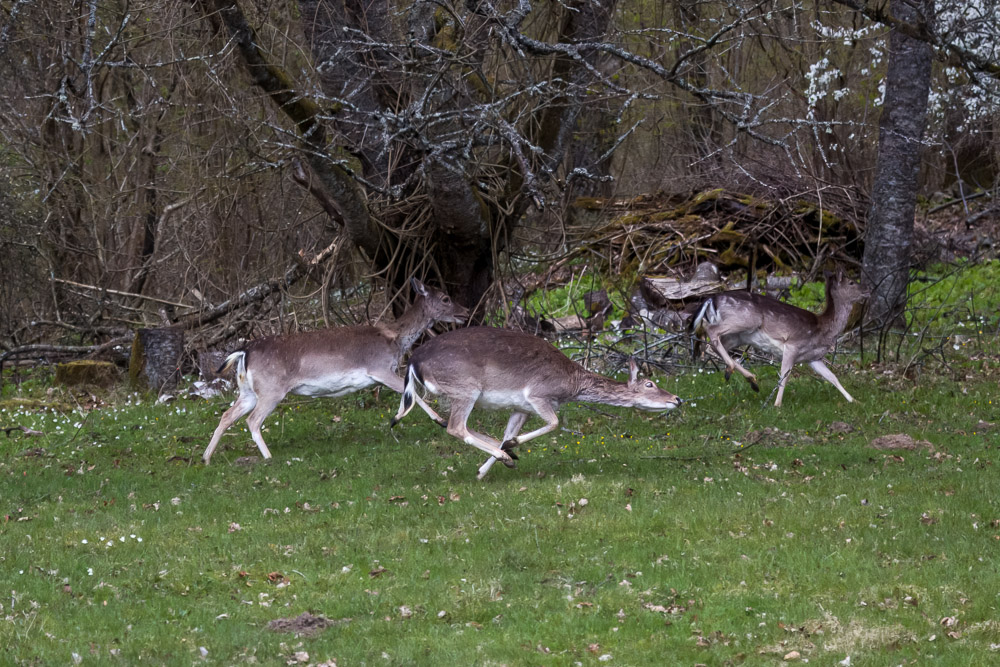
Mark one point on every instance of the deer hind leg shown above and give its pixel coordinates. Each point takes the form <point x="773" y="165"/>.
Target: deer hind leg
<point x="825" y="373"/>
<point x="716" y="342"/>
<point x="514" y="425"/>
<point x="265" y="406"/>
<point x="246" y="402"/>
<point x="458" y="427"/>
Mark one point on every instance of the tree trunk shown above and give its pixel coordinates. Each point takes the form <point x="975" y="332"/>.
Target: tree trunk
<point x="156" y="359"/>
<point x="889" y="233"/>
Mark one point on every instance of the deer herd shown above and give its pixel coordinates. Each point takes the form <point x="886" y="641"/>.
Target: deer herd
<point x="505" y="369"/>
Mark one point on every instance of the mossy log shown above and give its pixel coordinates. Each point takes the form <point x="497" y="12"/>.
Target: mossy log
<point x="156" y="357"/>
<point x="86" y="372"/>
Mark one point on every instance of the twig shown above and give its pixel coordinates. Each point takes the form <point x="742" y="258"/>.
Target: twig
<point x="960" y="200"/>
<point x="95" y="288"/>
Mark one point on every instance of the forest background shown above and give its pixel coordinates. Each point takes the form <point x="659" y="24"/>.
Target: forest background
<point x="233" y="168"/>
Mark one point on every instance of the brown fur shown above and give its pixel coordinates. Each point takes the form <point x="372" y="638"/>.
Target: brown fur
<point x="327" y="362"/>
<point x="499" y="368"/>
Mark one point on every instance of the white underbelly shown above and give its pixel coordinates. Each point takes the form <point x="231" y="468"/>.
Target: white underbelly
<point x="333" y="385"/>
<point x="763" y="342"/>
<point x="509" y="400"/>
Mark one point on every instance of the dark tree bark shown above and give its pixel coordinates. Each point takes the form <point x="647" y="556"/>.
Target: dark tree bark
<point x="448" y="156"/>
<point x="889" y="233"/>
<point x="156" y="358"/>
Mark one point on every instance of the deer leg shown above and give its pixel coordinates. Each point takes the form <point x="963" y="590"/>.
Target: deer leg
<point x="443" y="423"/>
<point x="388" y="378"/>
<point x="544" y="410"/>
<point x="514" y="425"/>
<point x="720" y="349"/>
<point x="457" y="426"/>
<point x="787" y="361"/>
<point x="265" y="406"/>
<point x="244" y="404"/>
<point x="825" y="373"/>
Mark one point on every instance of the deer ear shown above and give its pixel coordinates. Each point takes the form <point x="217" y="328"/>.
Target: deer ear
<point x="633" y="371"/>
<point x="418" y="287"/>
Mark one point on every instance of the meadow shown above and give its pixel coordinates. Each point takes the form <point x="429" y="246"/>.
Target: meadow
<point x="724" y="532"/>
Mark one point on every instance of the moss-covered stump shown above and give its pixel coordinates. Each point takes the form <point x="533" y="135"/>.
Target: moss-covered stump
<point x="94" y="373"/>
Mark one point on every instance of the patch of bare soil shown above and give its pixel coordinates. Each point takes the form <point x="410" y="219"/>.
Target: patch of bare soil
<point x="304" y="624"/>
<point x="841" y="427"/>
<point x="900" y="441"/>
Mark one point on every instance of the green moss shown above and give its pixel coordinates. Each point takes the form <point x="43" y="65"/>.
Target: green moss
<point x="707" y="195"/>
<point x="754" y="202"/>
<point x="728" y="233"/>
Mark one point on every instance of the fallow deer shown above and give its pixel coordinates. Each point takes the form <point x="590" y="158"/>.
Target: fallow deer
<point x="500" y="368"/>
<point x="327" y="362"/>
<point x="791" y="334"/>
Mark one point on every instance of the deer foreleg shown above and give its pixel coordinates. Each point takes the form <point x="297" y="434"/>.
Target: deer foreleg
<point x="824" y="372"/>
<point x="787" y="361"/>
<point x="514" y="425"/>
<point x="544" y="410"/>
<point x="388" y="378"/>
<point x="443" y="423"/>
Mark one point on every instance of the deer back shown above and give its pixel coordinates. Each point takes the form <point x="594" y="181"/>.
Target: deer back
<point x="293" y="359"/>
<point x="490" y="361"/>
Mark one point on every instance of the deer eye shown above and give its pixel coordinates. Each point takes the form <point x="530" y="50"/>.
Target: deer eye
<point x="446" y="300"/>
<point x="650" y="384"/>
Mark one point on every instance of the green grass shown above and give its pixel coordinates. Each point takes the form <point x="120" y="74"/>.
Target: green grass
<point x="725" y="532"/>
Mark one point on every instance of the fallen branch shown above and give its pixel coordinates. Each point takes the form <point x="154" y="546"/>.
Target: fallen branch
<point x="24" y="429"/>
<point x="81" y="350"/>
<point x="122" y="293"/>
<point x="256" y="293"/>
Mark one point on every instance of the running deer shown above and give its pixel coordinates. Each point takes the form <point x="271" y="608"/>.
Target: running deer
<point x="791" y="334"/>
<point x="327" y="362"/>
<point x="499" y="368"/>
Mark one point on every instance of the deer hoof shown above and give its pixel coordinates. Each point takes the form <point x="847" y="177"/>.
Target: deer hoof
<point x="753" y="384"/>
<point x="729" y="374"/>
<point x="443" y="423"/>
<point x="509" y="462"/>
<point x="508" y="447"/>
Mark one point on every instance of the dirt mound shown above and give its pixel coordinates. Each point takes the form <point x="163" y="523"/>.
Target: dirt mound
<point x="304" y="624"/>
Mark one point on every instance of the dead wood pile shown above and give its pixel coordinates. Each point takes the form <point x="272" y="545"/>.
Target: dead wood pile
<point x="668" y="234"/>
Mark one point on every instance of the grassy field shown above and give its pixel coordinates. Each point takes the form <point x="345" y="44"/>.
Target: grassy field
<point x="726" y="532"/>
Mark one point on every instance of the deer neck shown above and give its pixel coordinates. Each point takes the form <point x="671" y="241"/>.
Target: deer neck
<point x="834" y="318"/>
<point x="596" y="388"/>
<point x="405" y="331"/>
